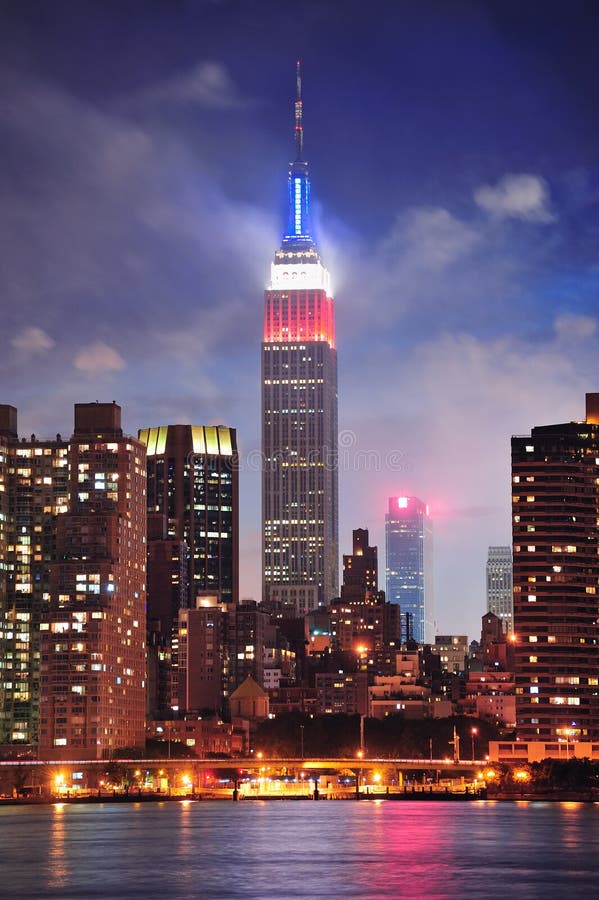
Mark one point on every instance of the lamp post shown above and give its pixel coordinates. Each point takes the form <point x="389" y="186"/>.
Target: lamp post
<point x="301" y="741"/>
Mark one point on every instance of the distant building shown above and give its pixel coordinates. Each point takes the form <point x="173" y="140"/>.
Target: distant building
<point x="408" y="537"/>
<point x="398" y="695"/>
<point x="499" y="586"/>
<point x="453" y="652"/>
<point x="246" y="638"/>
<point x="490" y="696"/>
<point x="360" y="569"/>
<point x="340" y="692"/>
<point x="495" y="649"/>
<point x="93" y="666"/>
<point x="555" y="500"/>
<point x="361" y="622"/>
<point x="201" y="659"/>
<point x="290" y="601"/>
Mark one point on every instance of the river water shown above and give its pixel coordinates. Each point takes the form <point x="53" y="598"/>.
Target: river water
<point x="300" y="849"/>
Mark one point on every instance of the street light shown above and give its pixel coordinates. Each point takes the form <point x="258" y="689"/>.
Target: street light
<point x="301" y="741"/>
<point x="473" y="733"/>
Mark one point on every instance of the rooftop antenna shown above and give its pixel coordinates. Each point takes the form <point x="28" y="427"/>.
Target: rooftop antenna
<point x="299" y="131"/>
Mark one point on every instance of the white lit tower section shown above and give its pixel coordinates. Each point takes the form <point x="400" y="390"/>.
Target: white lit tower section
<point x="299" y="409"/>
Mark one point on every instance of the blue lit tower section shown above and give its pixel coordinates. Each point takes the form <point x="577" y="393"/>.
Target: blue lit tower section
<point x="299" y="410"/>
<point x="409" y="546"/>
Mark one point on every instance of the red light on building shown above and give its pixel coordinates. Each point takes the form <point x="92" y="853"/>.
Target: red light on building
<point x="299" y="315"/>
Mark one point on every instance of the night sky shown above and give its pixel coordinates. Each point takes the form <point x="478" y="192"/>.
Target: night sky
<point x="454" y="155"/>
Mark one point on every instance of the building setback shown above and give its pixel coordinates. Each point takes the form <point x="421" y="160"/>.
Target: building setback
<point x="499" y="586"/>
<point x="555" y="503"/>
<point x="299" y="409"/>
<point x="93" y="634"/>
<point x="408" y="540"/>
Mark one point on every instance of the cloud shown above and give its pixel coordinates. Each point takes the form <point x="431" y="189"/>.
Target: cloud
<point x="207" y="84"/>
<point x="573" y="327"/>
<point x="429" y="237"/>
<point x="521" y="196"/>
<point x="98" y="358"/>
<point x="32" y="340"/>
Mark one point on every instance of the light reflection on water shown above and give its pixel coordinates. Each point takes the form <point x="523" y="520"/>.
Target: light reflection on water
<point x="57" y="869"/>
<point x="299" y="849"/>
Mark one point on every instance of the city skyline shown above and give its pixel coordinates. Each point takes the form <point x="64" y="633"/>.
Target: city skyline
<point x="454" y="160"/>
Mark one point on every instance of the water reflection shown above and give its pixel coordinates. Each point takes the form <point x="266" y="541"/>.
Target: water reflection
<point x="299" y="849"/>
<point x="57" y="862"/>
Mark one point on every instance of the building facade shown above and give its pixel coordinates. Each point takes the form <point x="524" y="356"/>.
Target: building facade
<point x="360" y="569"/>
<point x="299" y="405"/>
<point x="499" y="586"/>
<point x="93" y="635"/>
<point x="201" y="659"/>
<point x="409" y="566"/>
<point x="33" y="493"/>
<point x="555" y="504"/>
<point x="193" y="481"/>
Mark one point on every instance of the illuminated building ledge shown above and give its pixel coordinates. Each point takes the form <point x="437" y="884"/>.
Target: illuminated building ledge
<point x="535" y="751"/>
<point x="299" y="275"/>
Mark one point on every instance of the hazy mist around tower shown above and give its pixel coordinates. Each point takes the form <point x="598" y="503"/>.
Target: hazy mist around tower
<point x="454" y="162"/>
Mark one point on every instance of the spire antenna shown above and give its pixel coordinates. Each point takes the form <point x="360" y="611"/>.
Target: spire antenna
<point x="299" y="130"/>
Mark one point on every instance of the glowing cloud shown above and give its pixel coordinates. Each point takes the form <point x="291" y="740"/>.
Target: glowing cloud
<point x="98" y="358"/>
<point x="32" y="340"/>
<point x="516" y="197"/>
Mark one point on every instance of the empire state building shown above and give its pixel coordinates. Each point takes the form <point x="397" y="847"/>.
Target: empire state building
<point x="299" y="412"/>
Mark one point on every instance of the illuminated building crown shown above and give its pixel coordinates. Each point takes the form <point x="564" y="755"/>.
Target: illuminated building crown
<point x="298" y="236"/>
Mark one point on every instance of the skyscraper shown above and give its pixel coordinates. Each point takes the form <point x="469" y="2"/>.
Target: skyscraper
<point x="409" y="565"/>
<point x="93" y="666"/>
<point x="299" y="406"/>
<point x="555" y="504"/>
<point x="499" y="586"/>
<point x="193" y="482"/>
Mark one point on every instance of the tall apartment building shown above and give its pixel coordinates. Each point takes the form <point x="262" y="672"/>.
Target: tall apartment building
<point x="201" y="657"/>
<point x="93" y="633"/>
<point x="193" y="481"/>
<point x="33" y="492"/>
<point x="555" y="504"/>
<point x="499" y="586"/>
<point x="299" y="408"/>
<point x="246" y="628"/>
<point x="409" y="569"/>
